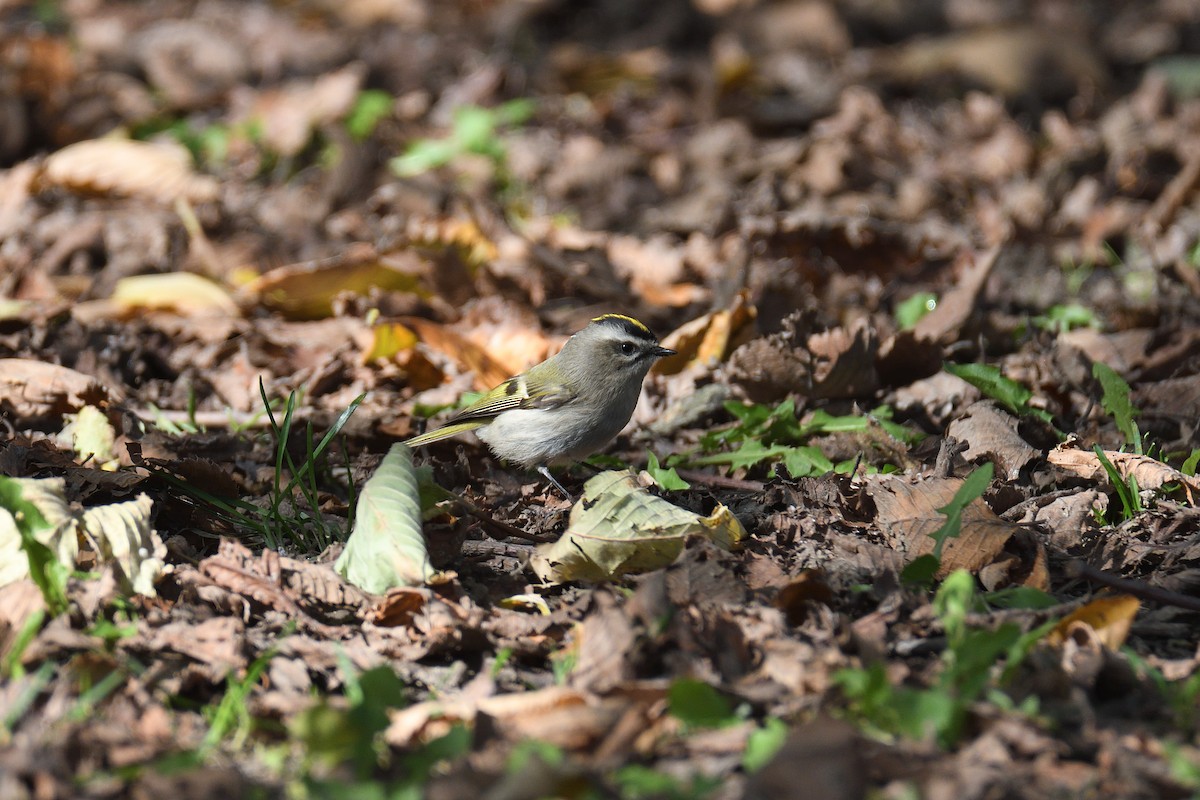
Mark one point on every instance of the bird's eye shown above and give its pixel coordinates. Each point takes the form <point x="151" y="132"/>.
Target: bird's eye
<point x="627" y="348"/>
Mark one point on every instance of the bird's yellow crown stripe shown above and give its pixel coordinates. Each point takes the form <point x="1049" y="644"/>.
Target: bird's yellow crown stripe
<point x="624" y="318"/>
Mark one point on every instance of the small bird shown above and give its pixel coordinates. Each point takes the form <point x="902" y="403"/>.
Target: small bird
<point x="568" y="406"/>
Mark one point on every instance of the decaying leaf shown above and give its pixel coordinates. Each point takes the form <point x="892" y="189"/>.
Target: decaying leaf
<point x="1110" y="617"/>
<point x="185" y="293"/>
<point x="389" y="339"/>
<point x="991" y="433"/>
<point x="158" y="171"/>
<point x="563" y="716"/>
<point x="945" y="322"/>
<point x="34" y="389"/>
<point x="908" y="512"/>
<point x="1149" y="473"/>
<point x="121" y="535"/>
<point x="617" y="527"/>
<point x="488" y="371"/>
<point x="832" y="363"/>
<point x="387" y="547"/>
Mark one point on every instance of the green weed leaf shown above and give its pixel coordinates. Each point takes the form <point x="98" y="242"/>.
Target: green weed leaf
<point x="1116" y="402"/>
<point x="698" y="705"/>
<point x="666" y="477"/>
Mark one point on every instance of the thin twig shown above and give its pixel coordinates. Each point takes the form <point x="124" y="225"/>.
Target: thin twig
<point x="720" y="481"/>
<point x="1081" y="569"/>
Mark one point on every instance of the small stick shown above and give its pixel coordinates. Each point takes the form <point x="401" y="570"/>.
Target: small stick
<point x="720" y="481"/>
<point x="1079" y="569"/>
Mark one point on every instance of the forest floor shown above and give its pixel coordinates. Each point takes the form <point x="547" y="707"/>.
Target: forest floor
<point x="933" y="273"/>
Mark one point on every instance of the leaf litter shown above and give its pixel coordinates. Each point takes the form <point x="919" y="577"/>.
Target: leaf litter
<point x="892" y="246"/>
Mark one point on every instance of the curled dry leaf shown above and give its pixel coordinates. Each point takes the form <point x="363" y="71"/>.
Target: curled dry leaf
<point x="1110" y="617"/>
<point x="991" y="434"/>
<point x="709" y="339"/>
<point x="35" y="390"/>
<point x="618" y="527"/>
<point x="122" y="536"/>
<point x="945" y="323"/>
<point x="835" y="363"/>
<point x="59" y="534"/>
<point x="288" y="116"/>
<point x="564" y="717"/>
<point x="155" y="171"/>
<point x="1148" y="472"/>
<point x="468" y="354"/>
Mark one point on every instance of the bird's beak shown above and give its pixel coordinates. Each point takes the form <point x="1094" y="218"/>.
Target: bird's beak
<point x="661" y="352"/>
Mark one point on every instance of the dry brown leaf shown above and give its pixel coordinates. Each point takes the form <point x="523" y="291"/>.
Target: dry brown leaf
<point x="288" y="116"/>
<point x="1009" y="60"/>
<point x="507" y="332"/>
<point x="907" y="510"/>
<point x="217" y="641"/>
<point x="565" y="717"/>
<point x="400" y="605"/>
<point x="991" y="434"/>
<point x="127" y="168"/>
<point x="1148" y="472"/>
<point x="944" y="324"/>
<point x="797" y="597"/>
<point x="472" y="357"/>
<point x="33" y="389"/>
<point x="709" y="339"/>
<point x="834" y="363"/>
<point x="1110" y="617"/>
<point x="19" y="601"/>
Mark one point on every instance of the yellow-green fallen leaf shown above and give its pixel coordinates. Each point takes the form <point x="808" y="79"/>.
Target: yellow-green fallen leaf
<point x="91" y="437"/>
<point x="182" y="292"/>
<point x="387" y="548"/>
<point x="618" y="528"/>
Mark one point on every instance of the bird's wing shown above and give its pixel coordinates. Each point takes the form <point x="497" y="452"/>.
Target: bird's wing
<point x="518" y="392"/>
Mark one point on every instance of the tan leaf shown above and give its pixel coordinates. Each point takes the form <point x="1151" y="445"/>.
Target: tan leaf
<point x="945" y="322"/>
<point x="34" y="389"/>
<point x="1149" y="473"/>
<point x="128" y="168"/>
<point x="562" y="716"/>
<point x="289" y="115"/>
<point x="908" y="513"/>
<point x="488" y="371"/>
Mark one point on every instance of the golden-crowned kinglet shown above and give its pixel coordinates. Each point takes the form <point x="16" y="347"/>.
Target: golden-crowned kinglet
<point x="568" y="406"/>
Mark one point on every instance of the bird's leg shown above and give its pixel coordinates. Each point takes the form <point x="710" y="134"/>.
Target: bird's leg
<point x="546" y="474"/>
